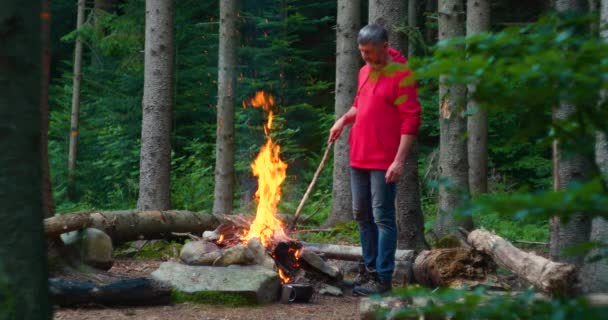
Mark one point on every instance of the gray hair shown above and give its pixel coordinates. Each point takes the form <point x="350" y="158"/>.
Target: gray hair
<point x="372" y="33"/>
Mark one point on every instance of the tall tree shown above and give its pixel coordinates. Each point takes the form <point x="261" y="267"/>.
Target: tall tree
<point x="48" y="205"/>
<point x="77" y="77"/>
<point x="224" y="146"/>
<point x="23" y="268"/>
<point x="594" y="274"/>
<point x="453" y="166"/>
<point x="410" y="221"/>
<point x="155" y="159"/>
<point x="429" y="30"/>
<point x="478" y="20"/>
<point x="569" y="166"/>
<point x="347" y="69"/>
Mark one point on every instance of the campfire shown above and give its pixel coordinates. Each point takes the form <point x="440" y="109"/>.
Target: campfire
<point x="271" y="172"/>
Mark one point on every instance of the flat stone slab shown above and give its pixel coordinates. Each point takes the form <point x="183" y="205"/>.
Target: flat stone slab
<point x="253" y="282"/>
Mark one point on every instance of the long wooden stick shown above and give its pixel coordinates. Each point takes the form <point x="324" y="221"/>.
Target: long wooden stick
<point x="310" y="186"/>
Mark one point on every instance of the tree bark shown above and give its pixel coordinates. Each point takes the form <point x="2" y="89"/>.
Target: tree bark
<point x="155" y="159"/>
<point x="224" y="160"/>
<point x="125" y="292"/>
<point x="390" y="14"/>
<point x="570" y="166"/>
<point x="410" y="220"/>
<point x="48" y="205"/>
<point x="129" y="225"/>
<point x="549" y="276"/>
<point x="23" y="268"/>
<point x="478" y="20"/>
<point x="350" y="253"/>
<point x="412" y="22"/>
<point x="75" y="116"/>
<point x="451" y="266"/>
<point x="453" y="165"/>
<point x="594" y="274"/>
<point x="347" y="70"/>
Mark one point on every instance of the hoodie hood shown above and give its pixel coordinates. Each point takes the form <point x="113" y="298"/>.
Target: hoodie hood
<point x="397" y="57"/>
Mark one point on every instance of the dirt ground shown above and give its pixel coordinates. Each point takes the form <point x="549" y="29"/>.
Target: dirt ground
<point x="321" y="307"/>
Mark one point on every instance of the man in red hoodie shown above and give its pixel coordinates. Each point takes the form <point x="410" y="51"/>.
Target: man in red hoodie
<point x="386" y="118"/>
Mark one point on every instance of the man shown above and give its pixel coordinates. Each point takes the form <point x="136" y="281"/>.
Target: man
<point x="386" y="117"/>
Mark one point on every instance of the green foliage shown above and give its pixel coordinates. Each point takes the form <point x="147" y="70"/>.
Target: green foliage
<point x="341" y="233"/>
<point x="214" y="298"/>
<point x="477" y="304"/>
<point x="7" y="298"/>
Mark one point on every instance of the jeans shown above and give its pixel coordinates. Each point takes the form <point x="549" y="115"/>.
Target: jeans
<point x="374" y="210"/>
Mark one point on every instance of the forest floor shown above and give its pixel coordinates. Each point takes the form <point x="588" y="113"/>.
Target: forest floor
<point x="321" y="307"/>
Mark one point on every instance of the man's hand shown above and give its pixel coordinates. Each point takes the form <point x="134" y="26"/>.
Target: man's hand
<point x="394" y="171"/>
<point x="336" y="130"/>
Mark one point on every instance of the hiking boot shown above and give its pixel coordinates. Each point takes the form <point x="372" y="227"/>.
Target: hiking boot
<point x="375" y="286"/>
<point x="364" y="276"/>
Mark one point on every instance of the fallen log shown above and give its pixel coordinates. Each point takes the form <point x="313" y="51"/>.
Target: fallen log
<point x="126" y="292"/>
<point x="131" y="225"/>
<point x="350" y="253"/>
<point x="549" y="276"/>
<point x="452" y="267"/>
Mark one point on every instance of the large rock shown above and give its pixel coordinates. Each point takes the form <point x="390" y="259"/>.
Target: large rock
<point x="94" y="247"/>
<point x="237" y="254"/>
<point x="260" y="256"/>
<point x="253" y="282"/>
<point x="313" y="261"/>
<point x="200" y="253"/>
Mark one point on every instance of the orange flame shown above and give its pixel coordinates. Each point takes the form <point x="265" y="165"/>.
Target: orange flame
<point x="220" y="239"/>
<point x="284" y="278"/>
<point x="271" y="172"/>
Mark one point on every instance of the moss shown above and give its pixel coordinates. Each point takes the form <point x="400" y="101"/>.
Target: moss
<point x="215" y="298"/>
<point x="151" y="250"/>
<point x="449" y="241"/>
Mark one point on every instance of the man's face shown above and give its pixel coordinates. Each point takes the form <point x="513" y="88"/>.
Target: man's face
<point x="374" y="54"/>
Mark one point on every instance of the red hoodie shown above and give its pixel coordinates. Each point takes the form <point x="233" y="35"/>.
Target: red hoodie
<point x="385" y="111"/>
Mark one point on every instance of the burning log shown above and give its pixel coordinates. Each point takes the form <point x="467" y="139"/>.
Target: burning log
<point x="350" y="253"/>
<point x="451" y="267"/>
<point x="549" y="276"/>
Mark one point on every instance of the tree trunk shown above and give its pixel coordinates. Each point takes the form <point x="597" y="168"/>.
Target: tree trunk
<point x="390" y="14"/>
<point x="224" y="160"/>
<point x="594" y="274"/>
<point x="48" y="205"/>
<point x="412" y="22"/>
<point x="75" y="105"/>
<point x="350" y="253"/>
<point x="347" y="69"/>
<point x="549" y="276"/>
<point x="410" y="220"/>
<point x="452" y="266"/>
<point x="23" y="268"/>
<point x="453" y="166"/>
<point x="570" y="166"/>
<point x="478" y="20"/>
<point x="131" y="225"/>
<point x="155" y="161"/>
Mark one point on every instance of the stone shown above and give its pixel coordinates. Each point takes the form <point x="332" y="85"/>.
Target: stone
<point x="319" y="265"/>
<point x="211" y="235"/>
<point x="94" y="247"/>
<point x="260" y="256"/>
<point x="331" y="291"/>
<point x="256" y="282"/>
<point x="237" y="254"/>
<point x="201" y="253"/>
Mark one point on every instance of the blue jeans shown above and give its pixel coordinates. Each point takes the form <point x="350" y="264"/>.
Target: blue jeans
<point x="374" y="210"/>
